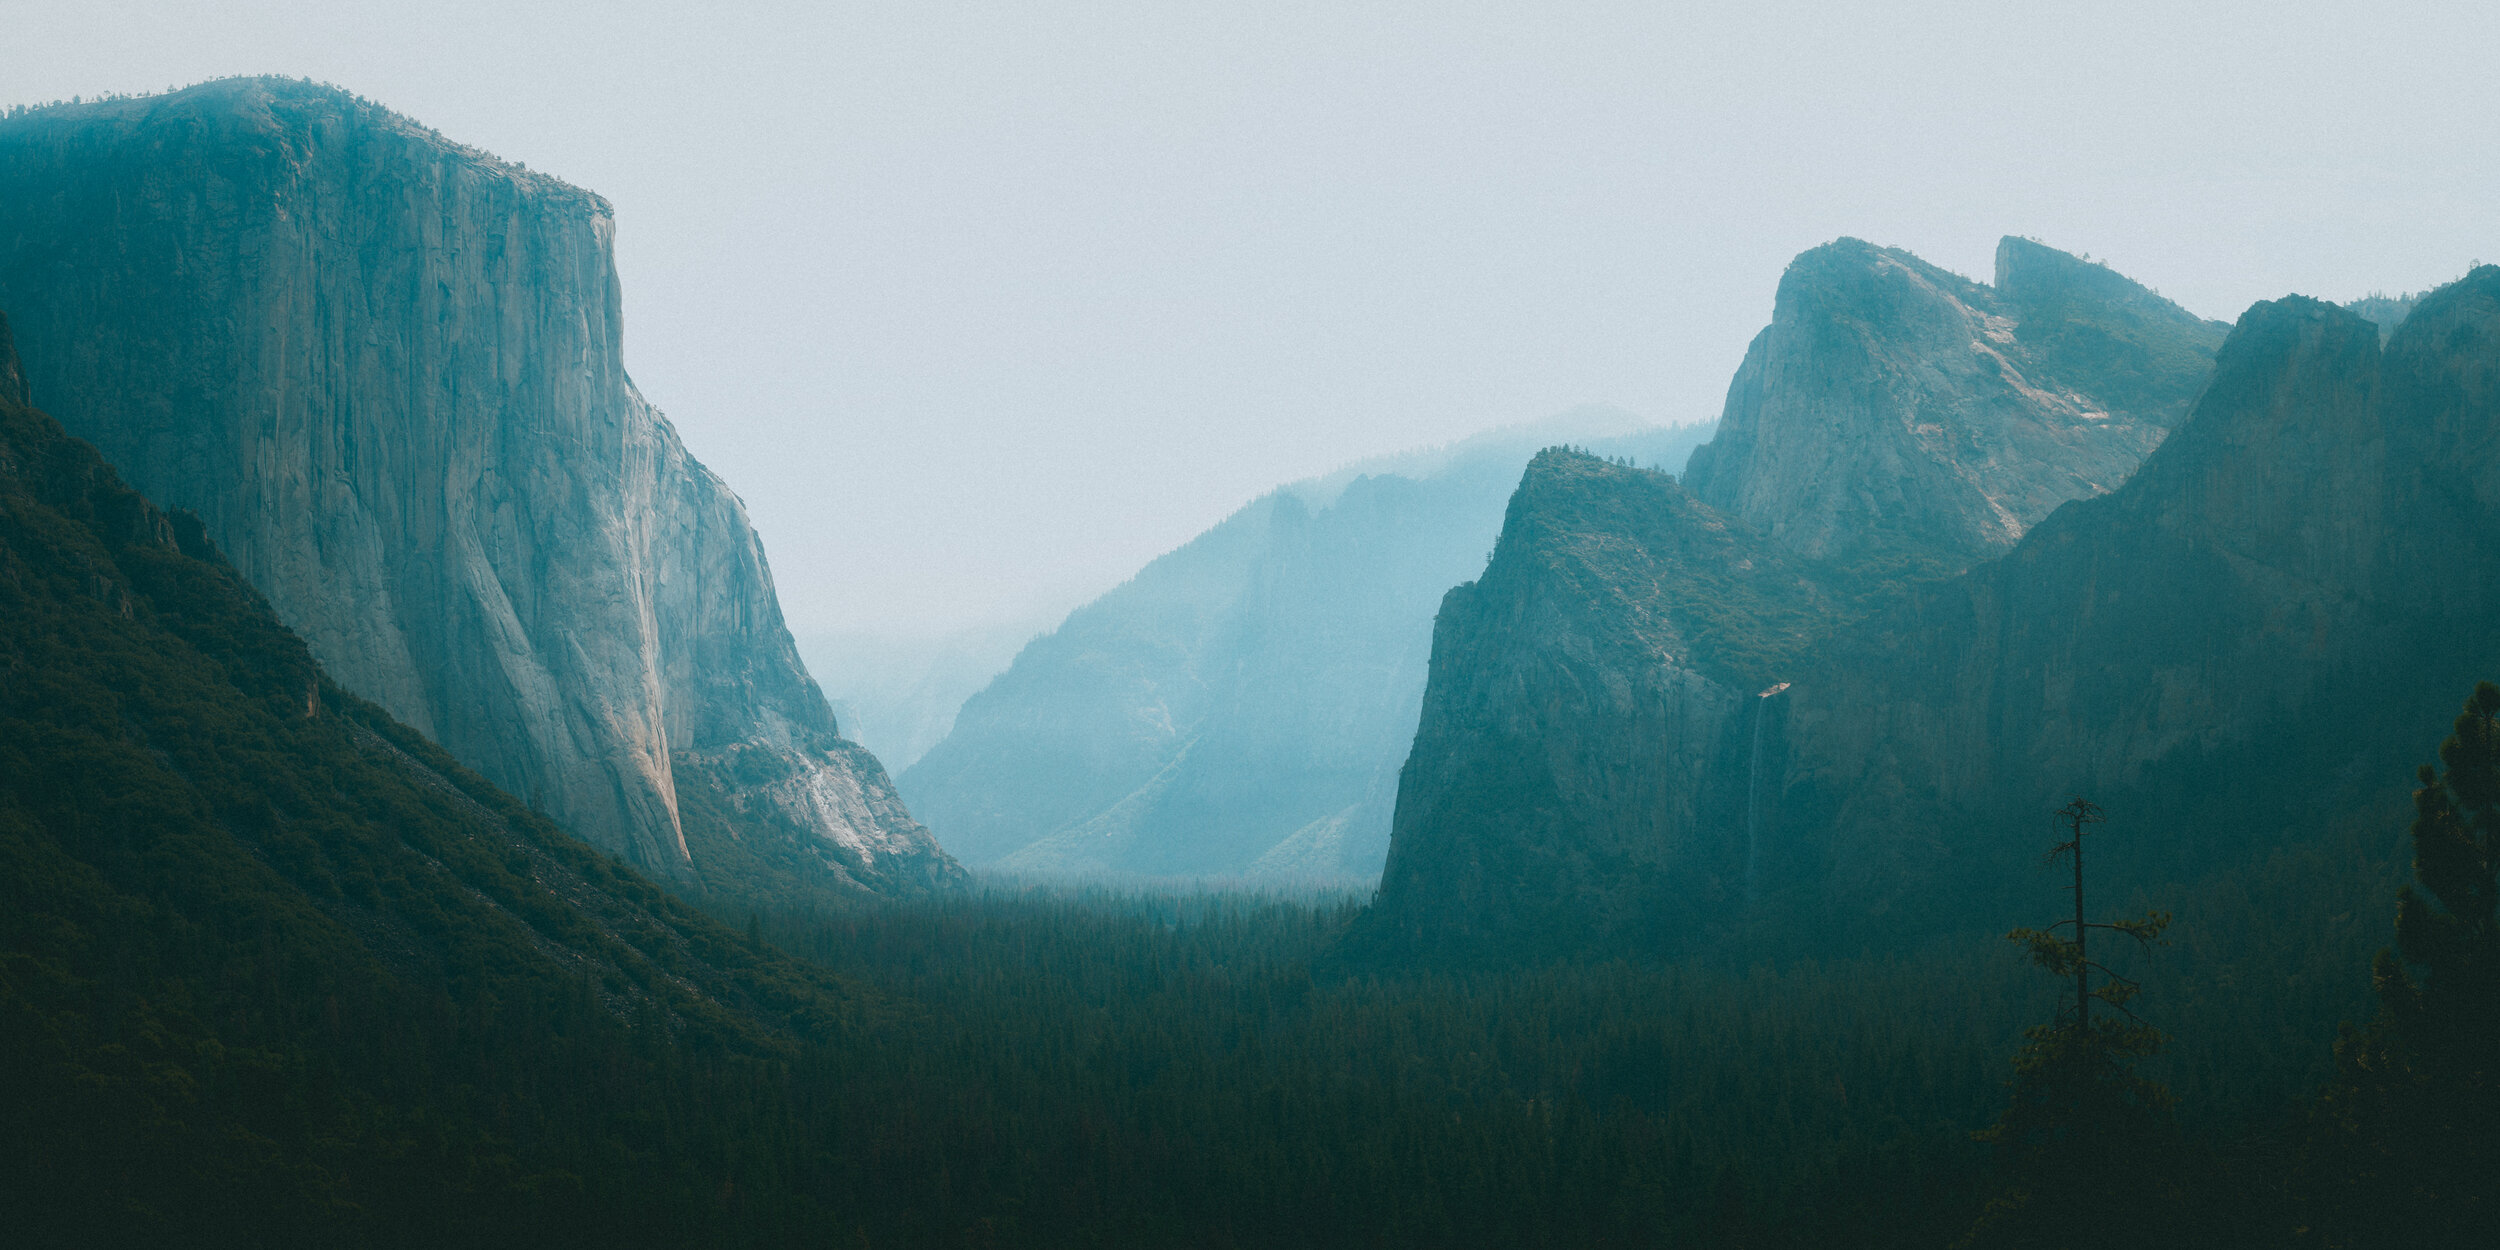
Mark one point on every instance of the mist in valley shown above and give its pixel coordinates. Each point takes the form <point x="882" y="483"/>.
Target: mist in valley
<point x="1249" y="625"/>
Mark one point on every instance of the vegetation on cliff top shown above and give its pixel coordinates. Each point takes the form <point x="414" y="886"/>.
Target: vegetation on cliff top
<point x="1641" y="562"/>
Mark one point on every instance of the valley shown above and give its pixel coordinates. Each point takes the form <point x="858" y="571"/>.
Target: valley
<point x="420" y="824"/>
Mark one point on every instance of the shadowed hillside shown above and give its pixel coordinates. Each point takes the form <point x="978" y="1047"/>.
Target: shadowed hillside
<point x="274" y="968"/>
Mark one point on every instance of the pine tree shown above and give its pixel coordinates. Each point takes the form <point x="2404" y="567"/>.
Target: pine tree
<point x="2085" y="1140"/>
<point x="2448" y="1016"/>
<point x="2406" y="1141"/>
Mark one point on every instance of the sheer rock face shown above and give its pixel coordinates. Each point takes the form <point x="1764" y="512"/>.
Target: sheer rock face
<point x="1595" y="763"/>
<point x="2270" y="619"/>
<point x="2243" y="643"/>
<point x="387" y="372"/>
<point x="1892" y="405"/>
<point x="1579" y="776"/>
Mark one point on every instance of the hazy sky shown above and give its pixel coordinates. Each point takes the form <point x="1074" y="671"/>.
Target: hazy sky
<point x="981" y="306"/>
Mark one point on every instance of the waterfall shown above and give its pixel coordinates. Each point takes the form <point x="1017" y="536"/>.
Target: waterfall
<point x="1753" y="806"/>
<point x="1753" y="797"/>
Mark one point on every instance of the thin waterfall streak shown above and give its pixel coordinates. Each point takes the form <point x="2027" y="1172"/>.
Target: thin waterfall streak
<point x="1753" y="808"/>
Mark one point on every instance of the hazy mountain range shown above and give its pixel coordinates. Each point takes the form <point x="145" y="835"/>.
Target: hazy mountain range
<point x="1240" y="707"/>
<point x="392" y="713"/>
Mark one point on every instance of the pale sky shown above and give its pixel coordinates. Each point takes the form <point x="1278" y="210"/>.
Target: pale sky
<point x="981" y="306"/>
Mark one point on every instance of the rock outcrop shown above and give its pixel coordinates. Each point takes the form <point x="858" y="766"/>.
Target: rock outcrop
<point x="1892" y="407"/>
<point x="1587" y="773"/>
<point x="1241" y="706"/>
<point x="1578" y="776"/>
<point x="387" y="371"/>
<point x="2262" y="630"/>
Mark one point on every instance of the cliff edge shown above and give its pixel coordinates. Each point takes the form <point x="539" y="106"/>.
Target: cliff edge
<point x="387" y="371"/>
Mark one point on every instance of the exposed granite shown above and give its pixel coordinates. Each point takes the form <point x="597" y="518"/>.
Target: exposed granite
<point x="1578" y="780"/>
<point x="387" y="371"/>
<point x="2266" y="623"/>
<point x="1892" y="405"/>
<point x="1589" y="769"/>
<point x="2242" y="643"/>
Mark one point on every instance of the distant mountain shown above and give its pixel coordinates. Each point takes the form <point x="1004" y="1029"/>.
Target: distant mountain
<point x="274" y="969"/>
<point x="1584" y="775"/>
<point x="1894" y="409"/>
<point x="386" y="370"/>
<point x="2387" y="311"/>
<point x="1241" y="705"/>
<point x="897" y="694"/>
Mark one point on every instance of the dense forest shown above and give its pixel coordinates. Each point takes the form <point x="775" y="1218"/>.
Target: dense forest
<point x="275" y="970"/>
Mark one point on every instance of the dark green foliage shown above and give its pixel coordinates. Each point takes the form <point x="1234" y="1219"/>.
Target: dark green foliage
<point x="273" y="969"/>
<point x="2449" y="1014"/>
<point x="2087" y="1143"/>
<point x="2404" y="1144"/>
<point x="1144" y="1070"/>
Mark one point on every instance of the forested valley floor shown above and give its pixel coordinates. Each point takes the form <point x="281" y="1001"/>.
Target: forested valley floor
<point x="275" y="970"/>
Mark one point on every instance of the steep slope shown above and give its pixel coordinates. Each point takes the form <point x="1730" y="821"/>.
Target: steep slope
<point x="1579" y="773"/>
<point x="386" y="371"/>
<point x="1241" y="705"/>
<point x="2236" y="649"/>
<point x="2242" y="642"/>
<point x="1894" y="410"/>
<point x="1584" y="768"/>
<point x="275" y="970"/>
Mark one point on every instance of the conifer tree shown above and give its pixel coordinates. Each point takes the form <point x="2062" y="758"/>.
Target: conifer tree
<point x="2085" y="1139"/>
<point x="2448" y="1015"/>
<point x="2406" y="1142"/>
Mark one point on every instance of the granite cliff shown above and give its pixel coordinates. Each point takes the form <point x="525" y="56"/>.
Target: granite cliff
<point x="252" y="925"/>
<point x="1585" y="774"/>
<point x="2245" y="642"/>
<point x="1892" y="408"/>
<point x="386" y="370"/>
<point x="1240" y="707"/>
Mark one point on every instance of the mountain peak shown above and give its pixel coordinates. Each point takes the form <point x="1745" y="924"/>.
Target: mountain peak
<point x="294" y="119"/>
<point x="447" y="485"/>
<point x="1853" y="275"/>
<point x="1893" y="406"/>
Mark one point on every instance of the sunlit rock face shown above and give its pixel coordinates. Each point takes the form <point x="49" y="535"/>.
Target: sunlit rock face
<point x="1891" y="406"/>
<point x="387" y="371"/>
<point x="1599" y="760"/>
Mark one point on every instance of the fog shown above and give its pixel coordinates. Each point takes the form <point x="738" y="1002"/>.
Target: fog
<point x="981" y="306"/>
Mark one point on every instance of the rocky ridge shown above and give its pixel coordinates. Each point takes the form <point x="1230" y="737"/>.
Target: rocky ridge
<point x="2247" y="640"/>
<point x="387" y="372"/>
<point x="1892" y="407"/>
<point x="1586" y="774"/>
